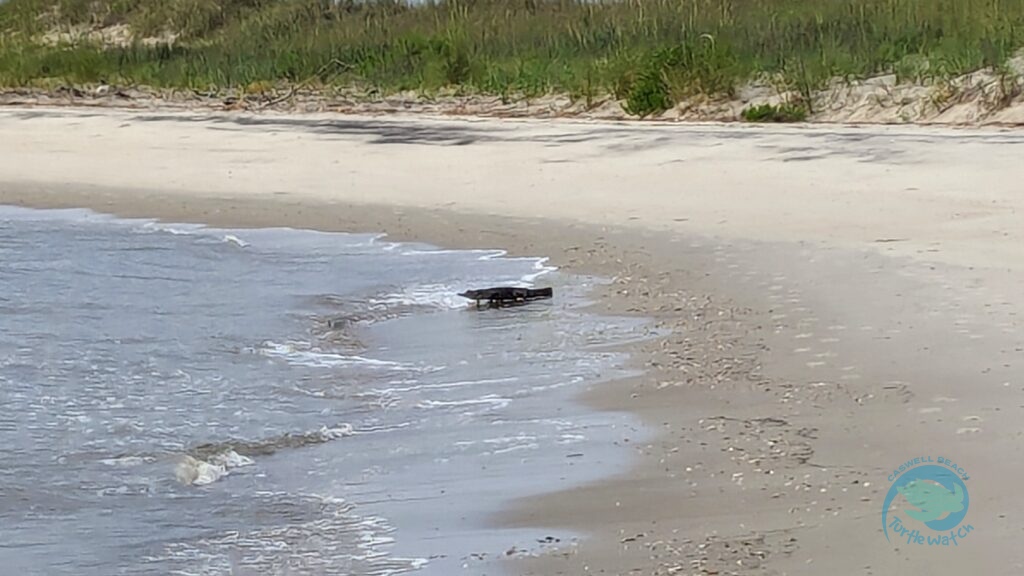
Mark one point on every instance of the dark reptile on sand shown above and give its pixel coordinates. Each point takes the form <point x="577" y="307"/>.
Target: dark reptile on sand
<point x="507" y="295"/>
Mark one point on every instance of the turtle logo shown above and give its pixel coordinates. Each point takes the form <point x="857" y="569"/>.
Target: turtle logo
<point x="937" y="497"/>
<point x="933" y="500"/>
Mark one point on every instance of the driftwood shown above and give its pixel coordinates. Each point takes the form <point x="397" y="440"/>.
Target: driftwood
<point x="507" y="295"/>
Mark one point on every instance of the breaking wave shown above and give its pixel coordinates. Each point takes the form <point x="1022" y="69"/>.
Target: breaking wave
<point x="207" y="463"/>
<point x="192" y="471"/>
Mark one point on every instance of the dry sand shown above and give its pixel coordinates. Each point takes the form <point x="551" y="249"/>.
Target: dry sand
<point x="841" y="299"/>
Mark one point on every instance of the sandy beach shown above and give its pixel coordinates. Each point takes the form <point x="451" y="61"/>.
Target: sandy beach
<point x="840" y="299"/>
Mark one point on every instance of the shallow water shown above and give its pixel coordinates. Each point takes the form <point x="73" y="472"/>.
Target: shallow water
<point x="185" y="400"/>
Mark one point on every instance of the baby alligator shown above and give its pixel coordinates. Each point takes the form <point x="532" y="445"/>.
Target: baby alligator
<point x="506" y="295"/>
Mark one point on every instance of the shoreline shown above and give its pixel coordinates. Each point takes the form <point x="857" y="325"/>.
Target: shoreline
<point x="432" y="227"/>
<point x="826" y="215"/>
<point x="405" y="479"/>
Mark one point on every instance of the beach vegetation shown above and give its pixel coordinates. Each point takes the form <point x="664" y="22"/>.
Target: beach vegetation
<point x="784" y="112"/>
<point x="651" y="54"/>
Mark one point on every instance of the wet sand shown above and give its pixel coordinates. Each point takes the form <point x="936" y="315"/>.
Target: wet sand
<point x="841" y="300"/>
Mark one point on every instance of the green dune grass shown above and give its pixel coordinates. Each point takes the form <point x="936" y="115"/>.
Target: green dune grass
<point x="651" y="53"/>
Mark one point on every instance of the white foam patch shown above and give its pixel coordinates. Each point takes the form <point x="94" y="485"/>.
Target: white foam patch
<point x="499" y="441"/>
<point x="232" y="239"/>
<point x="375" y="240"/>
<point x="192" y="471"/>
<point x="541" y="268"/>
<point x="446" y="385"/>
<point x="516" y="448"/>
<point x="490" y="399"/>
<point x="300" y="354"/>
<point x="540" y="265"/>
<point x="339" y="431"/>
<point x="486" y="254"/>
<point x="126" y="461"/>
<point x="430" y="295"/>
<point x="333" y="540"/>
<point x="279" y="237"/>
<point x="176" y="229"/>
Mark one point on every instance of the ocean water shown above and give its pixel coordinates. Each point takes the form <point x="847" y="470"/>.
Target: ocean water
<point x="184" y="400"/>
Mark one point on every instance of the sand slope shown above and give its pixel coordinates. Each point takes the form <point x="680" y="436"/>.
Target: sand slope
<point x="954" y="193"/>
